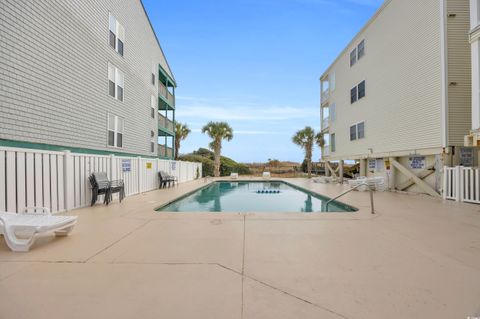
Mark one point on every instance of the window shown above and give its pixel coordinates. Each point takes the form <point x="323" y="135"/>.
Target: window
<point x="153" y="105"/>
<point x="152" y="143"/>
<point x="353" y="132"/>
<point x="115" y="131"/>
<point x="331" y="112"/>
<point x="353" y="95"/>
<point x="353" y="57"/>
<point x="357" y="92"/>
<point x="357" y="131"/>
<point x="116" y="82"/>
<point x="361" y="49"/>
<point x="361" y="90"/>
<point x="332" y="142"/>
<point x="361" y="130"/>
<point x="116" y="36"/>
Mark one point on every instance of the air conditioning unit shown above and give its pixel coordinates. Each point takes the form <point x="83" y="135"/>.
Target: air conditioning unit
<point x="473" y="139"/>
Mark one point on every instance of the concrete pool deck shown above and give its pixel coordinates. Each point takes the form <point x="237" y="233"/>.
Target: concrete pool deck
<point x="418" y="257"/>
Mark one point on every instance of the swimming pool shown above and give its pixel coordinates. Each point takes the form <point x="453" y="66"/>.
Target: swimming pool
<point x="262" y="197"/>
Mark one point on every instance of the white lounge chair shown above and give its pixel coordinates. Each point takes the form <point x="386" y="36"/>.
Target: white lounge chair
<point x="20" y="230"/>
<point x="266" y="175"/>
<point x="234" y="175"/>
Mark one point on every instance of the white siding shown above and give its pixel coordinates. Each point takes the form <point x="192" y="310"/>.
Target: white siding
<point x="53" y="70"/>
<point x="402" y="67"/>
<point x="459" y="71"/>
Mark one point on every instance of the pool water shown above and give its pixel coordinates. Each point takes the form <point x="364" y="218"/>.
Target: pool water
<point x="262" y="197"/>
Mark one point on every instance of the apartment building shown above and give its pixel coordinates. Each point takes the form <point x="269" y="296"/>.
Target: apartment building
<point x="85" y="75"/>
<point x="397" y="100"/>
<point x="473" y="139"/>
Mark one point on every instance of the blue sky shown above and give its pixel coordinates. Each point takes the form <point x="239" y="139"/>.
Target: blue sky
<point x="254" y="64"/>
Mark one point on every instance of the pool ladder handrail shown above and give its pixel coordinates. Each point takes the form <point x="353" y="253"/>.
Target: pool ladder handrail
<point x="351" y="190"/>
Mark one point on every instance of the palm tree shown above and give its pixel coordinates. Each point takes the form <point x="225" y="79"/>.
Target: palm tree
<point x="217" y="131"/>
<point x="181" y="133"/>
<point x="305" y="139"/>
<point x="320" y="139"/>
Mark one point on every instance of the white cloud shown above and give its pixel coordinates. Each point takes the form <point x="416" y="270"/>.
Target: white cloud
<point x="243" y="112"/>
<point x="245" y="132"/>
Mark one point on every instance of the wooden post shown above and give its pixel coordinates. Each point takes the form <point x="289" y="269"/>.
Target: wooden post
<point x="340" y="171"/>
<point x="363" y="167"/>
<point x="392" y="181"/>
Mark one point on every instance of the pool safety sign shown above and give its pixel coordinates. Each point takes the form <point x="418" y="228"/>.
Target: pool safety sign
<point x="173" y="166"/>
<point x="149" y="165"/>
<point x="372" y="164"/>
<point x="126" y="165"/>
<point x="417" y="162"/>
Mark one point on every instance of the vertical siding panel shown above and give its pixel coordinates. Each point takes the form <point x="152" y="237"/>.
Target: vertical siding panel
<point x="76" y="167"/>
<point x="3" y="184"/>
<point x="21" y="199"/>
<point x="61" y="184"/>
<point x="38" y="181"/>
<point x="53" y="183"/>
<point x="30" y="179"/>
<point x="82" y="174"/>
<point x="11" y="183"/>
<point x="46" y="181"/>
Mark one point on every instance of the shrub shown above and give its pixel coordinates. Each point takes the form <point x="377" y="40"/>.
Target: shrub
<point x="207" y="164"/>
<point x="206" y="157"/>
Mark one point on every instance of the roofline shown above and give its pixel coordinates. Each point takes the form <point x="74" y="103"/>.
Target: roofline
<point x="355" y="38"/>
<point x="158" y="42"/>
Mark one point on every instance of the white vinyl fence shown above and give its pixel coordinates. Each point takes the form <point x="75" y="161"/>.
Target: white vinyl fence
<point x="462" y="184"/>
<point x="59" y="180"/>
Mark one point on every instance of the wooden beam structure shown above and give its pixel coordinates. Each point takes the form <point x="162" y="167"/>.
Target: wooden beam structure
<point x="422" y="184"/>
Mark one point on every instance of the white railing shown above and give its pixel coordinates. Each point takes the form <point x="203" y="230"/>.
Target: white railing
<point x="326" y="151"/>
<point x="59" y="180"/>
<point x="462" y="184"/>
<point x="325" y="123"/>
<point x="325" y="96"/>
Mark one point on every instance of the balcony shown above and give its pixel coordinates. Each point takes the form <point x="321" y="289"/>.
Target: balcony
<point x="165" y="124"/>
<point x="325" y="124"/>
<point x="164" y="151"/>
<point x="325" y="97"/>
<point x="326" y="151"/>
<point x="165" y="94"/>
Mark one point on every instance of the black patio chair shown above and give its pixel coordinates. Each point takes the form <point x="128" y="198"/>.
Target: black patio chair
<point x="102" y="185"/>
<point x="166" y="179"/>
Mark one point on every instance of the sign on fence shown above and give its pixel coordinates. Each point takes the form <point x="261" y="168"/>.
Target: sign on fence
<point x="173" y="165"/>
<point x="126" y="165"/>
<point x="149" y="165"/>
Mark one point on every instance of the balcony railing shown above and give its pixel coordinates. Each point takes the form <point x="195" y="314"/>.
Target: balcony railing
<point x="325" y="123"/>
<point x="164" y="151"/>
<point x="325" y="96"/>
<point x="166" y="94"/>
<point x="165" y="123"/>
<point x="326" y="151"/>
